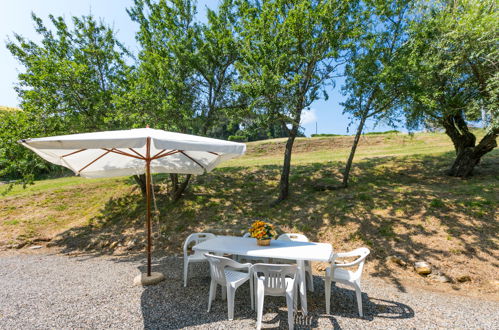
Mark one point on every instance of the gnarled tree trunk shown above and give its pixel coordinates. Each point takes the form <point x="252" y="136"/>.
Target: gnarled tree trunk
<point x="141" y="182"/>
<point x="468" y="154"/>
<point x="178" y="187"/>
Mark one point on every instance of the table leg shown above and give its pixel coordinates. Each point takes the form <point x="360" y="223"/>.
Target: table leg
<point x="302" y="286"/>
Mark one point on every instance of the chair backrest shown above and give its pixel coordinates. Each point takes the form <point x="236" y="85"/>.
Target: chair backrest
<point x="293" y="237"/>
<point x="274" y="276"/>
<point x="194" y="239"/>
<point x="361" y="253"/>
<point x="217" y="267"/>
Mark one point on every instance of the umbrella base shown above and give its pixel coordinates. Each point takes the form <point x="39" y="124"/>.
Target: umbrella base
<point x="143" y="279"/>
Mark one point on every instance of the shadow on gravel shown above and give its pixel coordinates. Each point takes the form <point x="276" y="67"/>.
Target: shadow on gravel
<point x="169" y="305"/>
<point x="344" y="304"/>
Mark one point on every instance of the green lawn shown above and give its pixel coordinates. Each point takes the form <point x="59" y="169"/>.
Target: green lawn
<point x="54" y="185"/>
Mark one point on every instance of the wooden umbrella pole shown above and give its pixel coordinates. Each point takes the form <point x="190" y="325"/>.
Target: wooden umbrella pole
<point x="148" y="198"/>
<point x="156" y="277"/>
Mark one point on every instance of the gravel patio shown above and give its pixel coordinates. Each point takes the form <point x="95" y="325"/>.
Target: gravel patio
<point x="53" y="291"/>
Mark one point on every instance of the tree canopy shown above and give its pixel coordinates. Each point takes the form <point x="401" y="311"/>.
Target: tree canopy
<point x="290" y="51"/>
<point x="373" y="71"/>
<point x="70" y="84"/>
<point x="73" y="76"/>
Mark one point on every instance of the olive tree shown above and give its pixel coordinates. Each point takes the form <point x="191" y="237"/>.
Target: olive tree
<point x="452" y="63"/>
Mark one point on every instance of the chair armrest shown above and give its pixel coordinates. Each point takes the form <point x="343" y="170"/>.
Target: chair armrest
<point x="362" y="254"/>
<point x="349" y="264"/>
<point x="237" y="265"/>
<point x="353" y="253"/>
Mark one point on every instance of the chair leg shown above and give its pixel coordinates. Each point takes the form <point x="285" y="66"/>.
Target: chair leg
<point x="310" y="278"/>
<point x="213" y="293"/>
<point x="186" y="269"/>
<point x="231" y="292"/>
<point x="358" y="293"/>
<point x="259" y="306"/>
<point x="295" y="294"/>
<point x="252" y="293"/>
<point x="302" y="286"/>
<point x="327" y="289"/>
<point x="224" y="292"/>
<point x="290" y="303"/>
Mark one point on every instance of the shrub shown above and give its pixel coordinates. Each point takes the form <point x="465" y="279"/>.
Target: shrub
<point x="321" y="135"/>
<point x="393" y="131"/>
<point x="238" y="138"/>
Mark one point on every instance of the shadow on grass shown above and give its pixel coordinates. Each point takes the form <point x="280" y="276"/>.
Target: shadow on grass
<point x="394" y="205"/>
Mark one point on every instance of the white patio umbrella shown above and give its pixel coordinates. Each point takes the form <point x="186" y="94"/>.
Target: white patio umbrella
<point x="133" y="152"/>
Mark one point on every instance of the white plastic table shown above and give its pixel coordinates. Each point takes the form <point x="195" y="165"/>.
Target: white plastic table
<point x="299" y="251"/>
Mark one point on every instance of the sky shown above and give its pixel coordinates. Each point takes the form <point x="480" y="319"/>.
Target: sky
<point x="15" y="16"/>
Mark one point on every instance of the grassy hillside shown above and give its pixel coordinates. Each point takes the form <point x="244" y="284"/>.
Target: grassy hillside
<point x="324" y="149"/>
<point x="4" y="108"/>
<point x="399" y="203"/>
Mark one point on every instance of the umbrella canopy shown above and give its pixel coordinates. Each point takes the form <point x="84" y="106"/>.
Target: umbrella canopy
<point x="120" y="153"/>
<point x="133" y="152"/>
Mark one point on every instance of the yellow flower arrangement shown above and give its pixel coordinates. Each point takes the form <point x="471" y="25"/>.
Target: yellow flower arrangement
<point x="262" y="230"/>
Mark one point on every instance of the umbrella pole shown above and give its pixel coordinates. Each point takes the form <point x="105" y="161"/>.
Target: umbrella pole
<point x="150" y="278"/>
<point x="148" y="203"/>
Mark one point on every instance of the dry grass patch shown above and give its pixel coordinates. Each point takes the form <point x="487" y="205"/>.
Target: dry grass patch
<point x="41" y="215"/>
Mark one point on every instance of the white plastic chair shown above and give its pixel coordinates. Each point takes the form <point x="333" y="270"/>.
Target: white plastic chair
<point x="337" y="273"/>
<point x="308" y="265"/>
<point x="197" y="256"/>
<point x="275" y="280"/>
<point x="223" y="272"/>
<point x="293" y="237"/>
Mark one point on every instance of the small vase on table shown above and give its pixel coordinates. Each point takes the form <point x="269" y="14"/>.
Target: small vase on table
<point x="263" y="232"/>
<point x="263" y="242"/>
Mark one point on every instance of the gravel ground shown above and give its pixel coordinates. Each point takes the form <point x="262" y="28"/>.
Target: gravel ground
<point x="59" y="292"/>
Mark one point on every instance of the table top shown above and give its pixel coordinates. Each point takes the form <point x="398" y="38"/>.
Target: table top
<point x="281" y="249"/>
